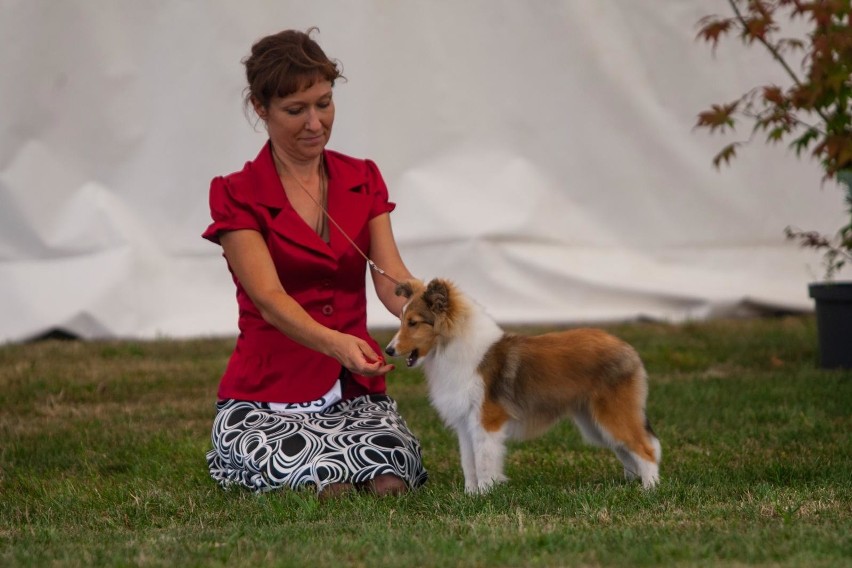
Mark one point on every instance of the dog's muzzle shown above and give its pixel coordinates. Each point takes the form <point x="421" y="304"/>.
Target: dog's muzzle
<point x="409" y="361"/>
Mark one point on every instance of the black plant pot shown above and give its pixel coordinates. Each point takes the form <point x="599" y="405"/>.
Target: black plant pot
<point x="834" y="323"/>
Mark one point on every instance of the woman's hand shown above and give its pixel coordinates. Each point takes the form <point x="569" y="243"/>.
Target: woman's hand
<point x="356" y="355"/>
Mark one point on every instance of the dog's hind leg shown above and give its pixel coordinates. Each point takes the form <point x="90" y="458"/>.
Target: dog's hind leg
<point x="591" y="432"/>
<point x="648" y="469"/>
<point x="622" y="420"/>
<point x="597" y="436"/>
<point x="655" y="442"/>
<point x="631" y="467"/>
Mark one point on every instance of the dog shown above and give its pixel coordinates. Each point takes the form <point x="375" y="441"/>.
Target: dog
<point x="490" y="386"/>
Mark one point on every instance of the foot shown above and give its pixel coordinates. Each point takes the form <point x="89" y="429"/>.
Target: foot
<point x="336" y="490"/>
<point x="387" y="484"/>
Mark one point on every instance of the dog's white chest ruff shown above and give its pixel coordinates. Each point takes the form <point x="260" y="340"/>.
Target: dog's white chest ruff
<point x="456" y="388"/>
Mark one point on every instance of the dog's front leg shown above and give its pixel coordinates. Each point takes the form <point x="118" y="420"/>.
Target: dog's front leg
<point x="489" y="452"/>
<point x="468" y="462"/>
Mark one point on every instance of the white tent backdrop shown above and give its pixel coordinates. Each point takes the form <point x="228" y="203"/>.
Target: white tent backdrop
<point x="542" y="155"/>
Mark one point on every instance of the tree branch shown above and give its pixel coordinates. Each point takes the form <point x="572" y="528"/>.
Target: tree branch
<point x="775" y="54"/>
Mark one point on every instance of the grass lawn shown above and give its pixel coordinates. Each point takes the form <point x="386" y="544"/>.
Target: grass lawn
<point x="102" y="464"/>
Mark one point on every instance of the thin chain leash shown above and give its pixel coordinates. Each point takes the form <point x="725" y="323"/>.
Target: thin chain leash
<point x="373" y="266"/>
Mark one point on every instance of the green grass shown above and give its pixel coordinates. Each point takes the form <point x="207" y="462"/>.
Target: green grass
<point x="102" y="464"/>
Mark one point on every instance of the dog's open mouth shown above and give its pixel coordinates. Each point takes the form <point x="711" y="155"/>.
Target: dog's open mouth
<point x="412" y="358"/>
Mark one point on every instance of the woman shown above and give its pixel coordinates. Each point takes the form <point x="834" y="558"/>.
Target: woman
<point x="302" y="401"/>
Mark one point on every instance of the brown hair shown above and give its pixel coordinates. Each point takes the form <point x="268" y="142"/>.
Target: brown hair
<point x="284" y="63"/>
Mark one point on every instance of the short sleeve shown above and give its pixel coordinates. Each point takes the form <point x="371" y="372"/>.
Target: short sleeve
<point x="379" y="191"/>
<point x="229" y="209"/>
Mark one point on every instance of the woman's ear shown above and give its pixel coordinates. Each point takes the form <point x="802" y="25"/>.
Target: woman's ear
<point x="261" y="110"/>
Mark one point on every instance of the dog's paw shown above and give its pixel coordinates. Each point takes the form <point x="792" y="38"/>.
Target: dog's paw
<point x="651" y="482"/>
<point x="487" y="485"/>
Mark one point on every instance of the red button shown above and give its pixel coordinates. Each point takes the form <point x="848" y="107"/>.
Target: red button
<point x="327" y="310"/>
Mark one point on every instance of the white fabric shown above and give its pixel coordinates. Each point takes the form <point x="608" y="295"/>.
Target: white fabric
<point x="542" y="155"/>
<point x="333" y="396"/>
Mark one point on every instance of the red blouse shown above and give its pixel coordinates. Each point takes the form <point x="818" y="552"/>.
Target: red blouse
<point x="327" y="279"/>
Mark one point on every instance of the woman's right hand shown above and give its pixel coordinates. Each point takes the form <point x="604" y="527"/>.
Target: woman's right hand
<point x="356" y="355"/>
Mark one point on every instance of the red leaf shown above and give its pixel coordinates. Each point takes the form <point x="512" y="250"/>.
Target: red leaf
<point x="773" y="94"/>
<point x="728" y="152"/>
<point x="719" y="116"/>
<point x="713" y="28"/>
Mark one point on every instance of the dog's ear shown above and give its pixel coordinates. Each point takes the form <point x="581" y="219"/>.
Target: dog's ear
<point x="408" y="288"/>
<point x="437" y="296"/>
<point x="404" y="289"/>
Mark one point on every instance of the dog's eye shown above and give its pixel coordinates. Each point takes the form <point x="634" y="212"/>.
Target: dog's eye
<point x="412" y="323"/>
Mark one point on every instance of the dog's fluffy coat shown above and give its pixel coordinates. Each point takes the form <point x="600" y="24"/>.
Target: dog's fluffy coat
<point x="490" y="386"/>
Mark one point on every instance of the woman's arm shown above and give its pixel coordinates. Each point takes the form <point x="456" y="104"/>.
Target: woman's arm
<point x="384" y="252"/>
<point x="252" y="264"/>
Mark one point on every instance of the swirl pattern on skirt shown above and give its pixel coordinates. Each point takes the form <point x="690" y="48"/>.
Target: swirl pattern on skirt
<point x="352" y="441"/>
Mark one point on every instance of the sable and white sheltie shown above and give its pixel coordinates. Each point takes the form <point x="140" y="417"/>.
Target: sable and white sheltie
<point x="490" y="386"/>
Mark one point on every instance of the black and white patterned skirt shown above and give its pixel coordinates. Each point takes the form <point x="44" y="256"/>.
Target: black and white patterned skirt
<point x="352" y="441"/>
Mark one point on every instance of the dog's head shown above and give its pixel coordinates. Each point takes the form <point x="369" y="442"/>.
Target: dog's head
<point x="427" y="319"/>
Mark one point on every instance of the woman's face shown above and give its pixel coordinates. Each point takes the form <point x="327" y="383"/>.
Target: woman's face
<point x="299" y="125"/>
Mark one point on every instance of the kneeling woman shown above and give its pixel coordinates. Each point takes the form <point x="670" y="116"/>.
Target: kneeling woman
<point x="302" y="401"/>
